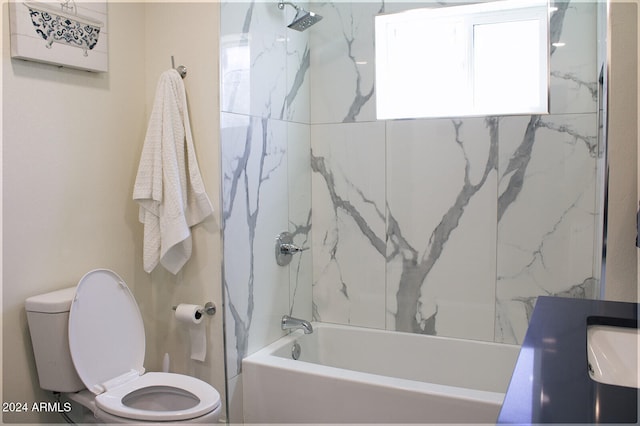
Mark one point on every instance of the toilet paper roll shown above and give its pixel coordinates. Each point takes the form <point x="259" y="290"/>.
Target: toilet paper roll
<point x="191" y="317"/>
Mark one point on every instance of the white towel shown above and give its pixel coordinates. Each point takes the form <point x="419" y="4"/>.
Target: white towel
<point x="168" y="186"/>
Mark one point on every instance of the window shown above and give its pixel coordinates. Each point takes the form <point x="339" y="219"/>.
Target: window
<point x="480" y="59"/>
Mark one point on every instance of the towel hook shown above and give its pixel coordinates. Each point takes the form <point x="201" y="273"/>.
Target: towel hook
<point x="182" y="70"/>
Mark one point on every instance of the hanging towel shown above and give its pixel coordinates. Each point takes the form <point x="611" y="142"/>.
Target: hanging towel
<point x="168" y="185"/>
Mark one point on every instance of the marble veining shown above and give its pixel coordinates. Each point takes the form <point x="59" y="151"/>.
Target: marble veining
<point x="318" y="166"/>
<point x="560" y="181"/>
<point x="297" y="82"/>
<point x="342" y="56"/>
<point x="505" y="325"/>
<point x="255" y="164"/>
<point x="415" y="270"/>
<point x="590" y="141"/>
<point x="556" y="22"/>
<point x="591" y="86"/>
<point x="349" y="210"/>
<point x="348" y="220"/>
<point x="517" y="167"/>
<point x="360" y="98"/>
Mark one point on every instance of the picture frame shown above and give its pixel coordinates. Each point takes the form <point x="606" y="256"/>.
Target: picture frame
<point x="60" y="32"/>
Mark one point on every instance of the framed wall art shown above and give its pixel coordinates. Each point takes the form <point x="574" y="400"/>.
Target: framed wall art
<point x="65" y="33"/>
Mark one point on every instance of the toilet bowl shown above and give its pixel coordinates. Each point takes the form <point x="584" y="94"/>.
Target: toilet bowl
<point x="105" y="354"/>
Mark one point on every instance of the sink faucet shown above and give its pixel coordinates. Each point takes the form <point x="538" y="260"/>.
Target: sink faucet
<point x="289" y="323"/>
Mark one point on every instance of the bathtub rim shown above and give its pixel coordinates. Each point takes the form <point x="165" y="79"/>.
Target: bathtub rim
<point x="266" y="357"/>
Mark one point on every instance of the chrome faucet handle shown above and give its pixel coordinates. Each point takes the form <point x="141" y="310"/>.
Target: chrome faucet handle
<point x="285" y="248"/>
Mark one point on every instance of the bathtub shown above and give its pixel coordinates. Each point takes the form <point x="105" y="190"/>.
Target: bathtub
<point x="349" y="374"/>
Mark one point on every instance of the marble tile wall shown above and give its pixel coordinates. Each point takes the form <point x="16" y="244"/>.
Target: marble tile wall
<point x="444" y="226"/>
<point x="449" y="226"/>
<point x="265" y="144"/>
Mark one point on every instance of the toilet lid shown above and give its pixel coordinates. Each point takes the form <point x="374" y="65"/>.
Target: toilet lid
<point x="106" y="332"/>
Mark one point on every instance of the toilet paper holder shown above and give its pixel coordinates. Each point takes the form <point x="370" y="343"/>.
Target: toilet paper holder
<point x="209" y="308"/>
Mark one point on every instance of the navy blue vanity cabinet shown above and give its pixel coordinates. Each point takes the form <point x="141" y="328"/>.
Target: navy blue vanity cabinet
<point x="551" y="382"/>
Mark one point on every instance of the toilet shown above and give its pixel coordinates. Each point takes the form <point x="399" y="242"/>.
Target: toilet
<point x="89" y="345"/>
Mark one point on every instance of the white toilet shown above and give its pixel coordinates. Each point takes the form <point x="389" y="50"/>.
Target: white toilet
<point x="89" y="344"/>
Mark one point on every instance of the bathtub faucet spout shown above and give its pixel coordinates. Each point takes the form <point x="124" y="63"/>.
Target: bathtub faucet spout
<point x="290" y="323"/>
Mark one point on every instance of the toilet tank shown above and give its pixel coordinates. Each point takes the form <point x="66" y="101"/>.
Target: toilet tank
<point x="48" y="318"/>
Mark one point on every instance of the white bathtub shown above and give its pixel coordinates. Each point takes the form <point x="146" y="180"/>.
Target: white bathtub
<point x="357" y="375"/>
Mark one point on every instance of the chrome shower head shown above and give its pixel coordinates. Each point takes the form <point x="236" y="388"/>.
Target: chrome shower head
<point x="303" y="19"/>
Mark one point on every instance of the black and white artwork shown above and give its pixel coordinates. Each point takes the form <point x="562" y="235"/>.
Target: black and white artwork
<point x="60" y="32"/>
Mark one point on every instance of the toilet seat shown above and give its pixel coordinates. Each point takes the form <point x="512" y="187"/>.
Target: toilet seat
<point x="204" y="398"/>
<point x="107" y="345"/>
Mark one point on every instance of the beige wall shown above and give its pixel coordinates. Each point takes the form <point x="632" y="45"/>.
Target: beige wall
<point x="621" y="275"/>
<point x="71" y="143"/>
<point x="189" y="32"/>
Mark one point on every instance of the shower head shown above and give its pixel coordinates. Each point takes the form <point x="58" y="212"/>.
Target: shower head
<point x="303" y="19"/>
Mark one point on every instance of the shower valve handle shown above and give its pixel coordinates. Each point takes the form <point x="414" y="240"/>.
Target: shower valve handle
<point x="291" y="248"/>
<point x="285" y="248"/>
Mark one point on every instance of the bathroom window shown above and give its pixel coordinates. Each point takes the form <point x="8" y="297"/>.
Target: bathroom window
<point x="481" y="59"/>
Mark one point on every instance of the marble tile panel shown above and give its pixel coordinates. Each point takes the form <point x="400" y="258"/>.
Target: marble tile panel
<point x="296" y="106"/>
<point x="546" y="214"/>
<point x="348" y="181"/>
<point x="342" y="54"/>
<point x="254" y="167"/>
<point x="441" y="185"/>
<point x="299" y="181"/>
<point x="573" y="66"/>
<point x="253" y="59"/>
